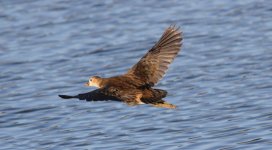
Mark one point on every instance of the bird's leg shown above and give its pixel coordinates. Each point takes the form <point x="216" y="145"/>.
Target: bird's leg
<point x="165" y="105"/>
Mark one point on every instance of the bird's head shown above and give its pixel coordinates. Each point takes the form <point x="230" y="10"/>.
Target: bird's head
<point x="94" y="81"/>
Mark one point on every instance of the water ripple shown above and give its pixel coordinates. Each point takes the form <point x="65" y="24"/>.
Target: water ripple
<point x="221" y="81"/>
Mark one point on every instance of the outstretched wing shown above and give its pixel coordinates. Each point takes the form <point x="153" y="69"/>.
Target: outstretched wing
<point x="110" y="93"/>
<point x="96" y="95"/>
<point x="151" y="68"/>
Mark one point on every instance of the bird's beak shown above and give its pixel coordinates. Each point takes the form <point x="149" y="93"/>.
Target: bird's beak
<point x="86" y="84"/>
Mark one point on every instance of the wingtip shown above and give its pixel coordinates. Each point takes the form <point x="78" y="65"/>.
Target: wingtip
<point x="66" y="96"/>
<point x="174" y="27"/>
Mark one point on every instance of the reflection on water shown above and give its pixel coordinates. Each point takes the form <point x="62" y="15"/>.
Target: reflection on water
<point x="221" y="81"/>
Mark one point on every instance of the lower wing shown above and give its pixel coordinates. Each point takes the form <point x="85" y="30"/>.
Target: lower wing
<point x="96" y="95"/>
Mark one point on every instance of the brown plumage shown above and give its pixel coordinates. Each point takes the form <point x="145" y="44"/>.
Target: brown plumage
<point x="135" y="86"/>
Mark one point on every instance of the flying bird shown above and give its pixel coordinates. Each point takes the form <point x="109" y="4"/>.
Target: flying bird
<point x="136" y="85"/>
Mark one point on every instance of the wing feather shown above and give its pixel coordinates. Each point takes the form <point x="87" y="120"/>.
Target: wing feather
<point x="95" y="95"/>
<point x="154" y="64"/>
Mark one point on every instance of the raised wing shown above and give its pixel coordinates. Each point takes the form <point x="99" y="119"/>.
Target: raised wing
<point x="96" y="95"/>
<point x="151" y="68"/>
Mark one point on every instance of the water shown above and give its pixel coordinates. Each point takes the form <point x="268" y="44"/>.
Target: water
<point x="221" y="81"/>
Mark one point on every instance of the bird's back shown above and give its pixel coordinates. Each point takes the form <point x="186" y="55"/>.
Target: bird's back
<point x="124" y="82"/>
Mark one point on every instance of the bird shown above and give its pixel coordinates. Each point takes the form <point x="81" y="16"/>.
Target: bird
<point x="136" y="86"/>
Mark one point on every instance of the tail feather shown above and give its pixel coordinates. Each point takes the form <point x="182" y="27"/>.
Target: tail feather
<point x="160" y="93"/>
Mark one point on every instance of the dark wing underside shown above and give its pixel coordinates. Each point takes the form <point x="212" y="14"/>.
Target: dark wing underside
<point x="106" y="94"/>
<point x="151" y="68"/>
<point x="96" y="95"/>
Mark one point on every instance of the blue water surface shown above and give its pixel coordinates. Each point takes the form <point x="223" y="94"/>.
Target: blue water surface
<point x="221" y="81"/>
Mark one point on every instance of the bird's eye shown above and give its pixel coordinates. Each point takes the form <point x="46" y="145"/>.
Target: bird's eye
<point x="90" y="80"/>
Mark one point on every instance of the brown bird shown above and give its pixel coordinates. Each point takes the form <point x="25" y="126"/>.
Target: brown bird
<point x="135" y="86"/>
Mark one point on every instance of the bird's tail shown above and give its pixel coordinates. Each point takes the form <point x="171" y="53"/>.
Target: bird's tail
<point x="160" y="93"/>
<point x="67" y="96"/>
<point x="164" y="104"/>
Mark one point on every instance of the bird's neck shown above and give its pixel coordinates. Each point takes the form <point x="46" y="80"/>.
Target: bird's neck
<point x="103" y="82"/>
